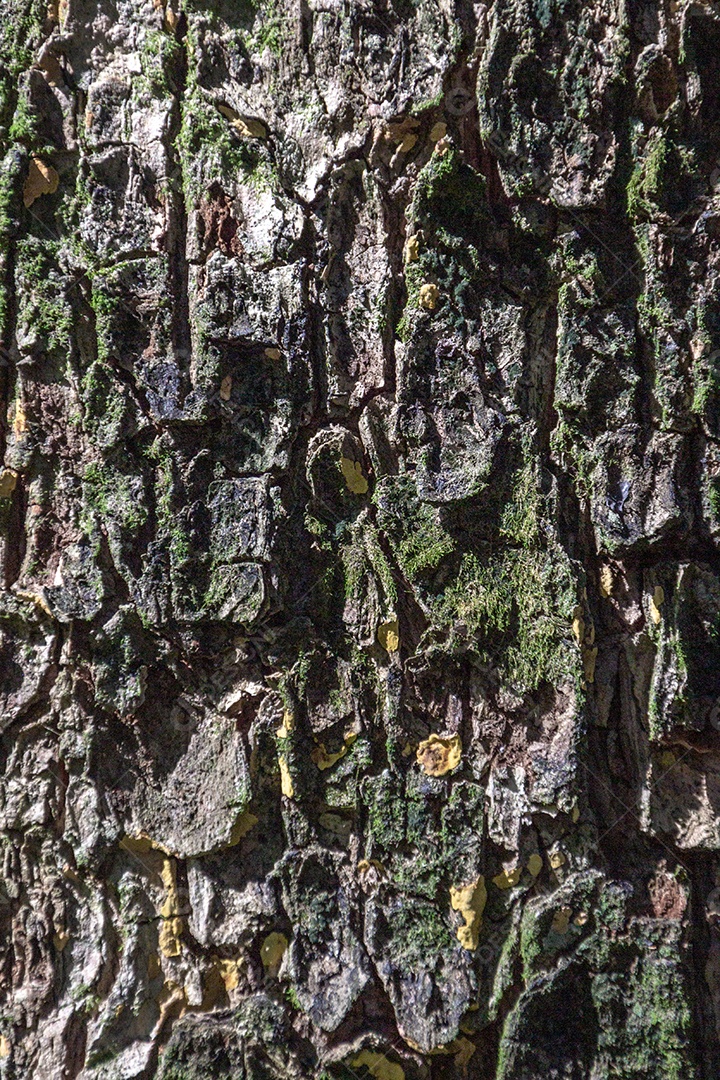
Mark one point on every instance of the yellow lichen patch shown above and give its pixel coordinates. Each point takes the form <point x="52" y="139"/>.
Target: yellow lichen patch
<point x="171" y="20"/>
<point x="561" y="919"/>
<point x="656" y="602"/>
<point x="19" y="419"/>
<point x="438" y="131"/>
<point x="667" y="759"/>
<point x="412" y="249"/>
<point x="41" y="179"/>
<point x="607" y="581"/>
<point x="462" y="1050"/>
<point x="366" y="865"/>
<point x="438" y="755"/>
<point x="245" y="822"/>
<point x="407" y="143"/>
<point x="378" y="1065"/>
<point x="429" y="296"/>
<point x="272" y="951"/>
<point x="171" y="927"/>
<point x="273" y="354"/>
<point x="556" y="859"/>
<point x="575" y="814"/>
<point x="4" y="1047"/>
<point x="352" y="471"/>
<point x="142" y="844"/>
<point x="8" y="482"/>
<point x="229" y="973"/>
<point x="287" y="726"/>
<point x="286" y="784"/>
<point x="508" y="879"/>
<point x="470" y="901"/>
<point x="171" y="999"/>
<point x="60" y="939"/>
<point x="389" y="635"/>
<point x="578" y="625"/>
<point x="36" y="598"/>
<point x="535" y="864"/>
<point x="336" y="824"/>
<point x="50" y="66"/>
<point x="226" y="388"/>
<point x="245" y="126"/>
<point x="324" y="759"/>
<point x="589" y="657"/>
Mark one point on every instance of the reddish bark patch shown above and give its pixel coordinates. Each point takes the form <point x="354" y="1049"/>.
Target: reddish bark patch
<point x="220" y="225"/>
<point x="667" y="896"/>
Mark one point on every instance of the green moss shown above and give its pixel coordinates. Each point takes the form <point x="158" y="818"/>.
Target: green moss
<point x="210" y="150"/>
<point x="418" y="540"/>
<point x="419" y="931"/>
<point x="517" y="606"/>
<point x="44" y="311"/>
<point x="113" y="496"/>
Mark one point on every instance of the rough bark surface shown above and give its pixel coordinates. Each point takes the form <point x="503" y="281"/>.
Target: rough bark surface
<point x="360" y="508"/>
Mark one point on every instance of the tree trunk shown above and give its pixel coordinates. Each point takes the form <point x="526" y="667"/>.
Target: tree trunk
<point x="360" y="609"/>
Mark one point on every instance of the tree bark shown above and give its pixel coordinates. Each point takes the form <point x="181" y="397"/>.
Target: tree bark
<point x="360" y="500"/>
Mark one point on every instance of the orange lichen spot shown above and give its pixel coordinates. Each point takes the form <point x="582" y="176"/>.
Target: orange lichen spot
<point x="41" y="179"/>
<point x="535" y="864"/>
<point x="352" y="471"/>
<point x="508" y="879"/>
<point x="561" y="920"/>
<point x="439" y="755"/>
<point x="389" y="634"/>
<point x="429" y="296"/>
<point x="470" y="901"/>
<point x="377" y="1065"/>
<point x="4" y="1047"/>
<point x="272" y="951"/>
<point x="656" y="602"/>
<point x="8" y="482"/>
<point x="226" y="388"/>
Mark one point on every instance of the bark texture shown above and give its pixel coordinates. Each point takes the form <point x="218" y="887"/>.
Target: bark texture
<point x="360" y="608"/>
